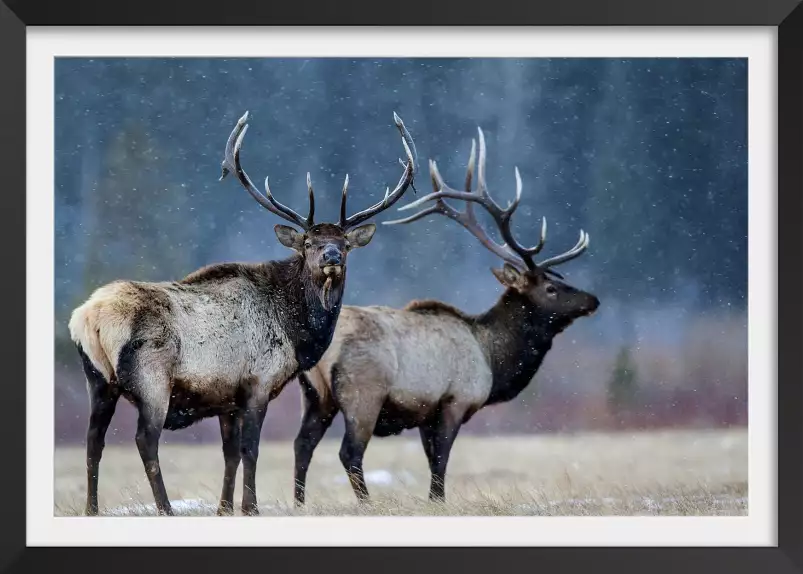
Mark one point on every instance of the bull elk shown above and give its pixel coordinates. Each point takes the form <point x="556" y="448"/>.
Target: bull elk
<point x="224" y="340"/>
<point x="430" y="365"/>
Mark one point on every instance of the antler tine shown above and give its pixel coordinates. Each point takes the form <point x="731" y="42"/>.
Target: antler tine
<point x="470" y="167"/>
<point x="502" y="251"/>
<point x="343" y="203"/>
<point x="580" y="246"/>
<point x="503" y="216"/>
<point x="288" y="213"/>
<point x="472" y="157"/>
<point x="311" y="214"/>
<point x="482" y="188"/>
<point x="391" y="197"/>
<point x="231" y="163"/>
<point x="506" y="214"/>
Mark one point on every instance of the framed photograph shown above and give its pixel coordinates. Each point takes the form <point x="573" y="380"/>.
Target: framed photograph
<point x="395" y="287"/>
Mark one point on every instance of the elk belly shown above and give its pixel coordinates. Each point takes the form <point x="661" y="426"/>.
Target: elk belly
<point x="394" y="418"/>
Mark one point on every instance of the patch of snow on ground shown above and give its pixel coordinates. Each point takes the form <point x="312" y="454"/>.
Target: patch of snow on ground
<point x="185" y="506"/>
<point x="381" y="476"/>
<point x="181" y="507"/>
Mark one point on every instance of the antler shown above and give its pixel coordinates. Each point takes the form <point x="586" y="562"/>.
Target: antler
<point x="231" y="162"/>
<point x="390" y="197"/>
<point x="511" y="251"/>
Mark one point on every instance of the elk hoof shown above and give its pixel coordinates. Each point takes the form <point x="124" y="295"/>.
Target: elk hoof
<point x="225" y="509"/>
<point x="251" y="510"/>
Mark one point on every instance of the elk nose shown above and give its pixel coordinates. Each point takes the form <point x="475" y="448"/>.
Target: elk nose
<point x="332" y="256"/>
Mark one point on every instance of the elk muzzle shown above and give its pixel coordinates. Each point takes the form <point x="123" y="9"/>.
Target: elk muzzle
<point x="332" y="262"/>
<point x="591" y="305"/>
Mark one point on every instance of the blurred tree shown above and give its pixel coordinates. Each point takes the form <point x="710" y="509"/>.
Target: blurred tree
<point x="146" y="245"/>
<point x="623" y="383"/>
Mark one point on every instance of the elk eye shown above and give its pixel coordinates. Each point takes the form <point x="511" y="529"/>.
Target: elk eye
<point x="550" y="289"/>
<point x="307" y="244"/>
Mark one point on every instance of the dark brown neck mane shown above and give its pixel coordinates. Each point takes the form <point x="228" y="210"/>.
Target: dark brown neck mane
<point x="517" y="337"/>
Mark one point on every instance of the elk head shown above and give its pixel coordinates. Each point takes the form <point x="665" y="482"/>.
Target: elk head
<point x="547" y="296"/>
<point x="323" y="247"/>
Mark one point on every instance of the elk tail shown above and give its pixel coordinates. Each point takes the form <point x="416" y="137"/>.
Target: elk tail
<point x="85" y="326"/>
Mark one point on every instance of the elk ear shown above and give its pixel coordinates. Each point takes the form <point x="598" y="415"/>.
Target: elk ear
<point x="289" y="237"/>
<point x="361" y="236"/>
<point x="508" y="275"/>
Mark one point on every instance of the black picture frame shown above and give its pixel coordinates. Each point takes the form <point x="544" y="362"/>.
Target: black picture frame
<point x="787" y="15"/>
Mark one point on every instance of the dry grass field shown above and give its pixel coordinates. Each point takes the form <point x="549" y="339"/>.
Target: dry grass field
<point x="630" y="473"/>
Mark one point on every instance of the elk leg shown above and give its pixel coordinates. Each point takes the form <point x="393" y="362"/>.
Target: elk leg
<point x="438" y="438"/>
<point x="103" y="401"/>
<point x="253" y="417"/>
<point x="230" y="433"/>
<point x="352" y="450"/>
<point x="152" y="414"/>
<point x="427" y="432"/>
<point x="360" y="407"/>
<point x="315" y="422"/>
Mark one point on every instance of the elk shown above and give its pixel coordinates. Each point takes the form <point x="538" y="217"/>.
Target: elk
<point x="224" y="340"/>
<point x="430" y="365"/>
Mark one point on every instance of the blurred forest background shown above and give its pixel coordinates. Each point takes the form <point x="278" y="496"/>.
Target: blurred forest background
<point x="649" y="156"/>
